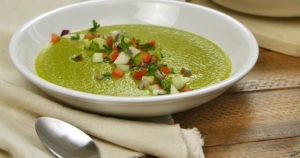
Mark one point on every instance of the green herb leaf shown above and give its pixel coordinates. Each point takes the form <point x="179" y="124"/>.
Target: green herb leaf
<point x="151" y="69"/>
<point x="106" y="49"/>
<point x="106" y="75"/>
<point x="146" y="47"/>
<point x="123" y="45"/>
<point x="95" y="26"/>
<point x="166" y="84"/>
<point x="94" y="46"/>
<point x="75" y="37"/>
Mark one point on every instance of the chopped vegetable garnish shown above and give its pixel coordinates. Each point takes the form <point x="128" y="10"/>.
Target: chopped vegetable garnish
<point x="77" y="58"/>
<point x="55" y="38"/>
<point x="64" y="32"/>
<point x="90" y="36"/>
<point x="186" y="89"/>
<point x="138" y="74"/>
<point x="95" y="26"/>
<point x="118" y="73"/>
<point x="142" y="60"/>
<point x="76" y="37"/>
<point x="114" y="55"/>
<point x="166" y="84"/>
<point x="146" y="57"/>
<point x="109" y="41"/>
<point x="152" y="43"/>
<point x="186" y="72"/>
<point x="165" y="70"/>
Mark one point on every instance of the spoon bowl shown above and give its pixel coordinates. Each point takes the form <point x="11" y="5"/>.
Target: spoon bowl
<point x="65" y="140"/>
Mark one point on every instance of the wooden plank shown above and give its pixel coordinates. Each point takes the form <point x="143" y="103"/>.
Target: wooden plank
<point x="281" y="148"/>
<point x="244" y="117"/>
<point x="272" y="71"/>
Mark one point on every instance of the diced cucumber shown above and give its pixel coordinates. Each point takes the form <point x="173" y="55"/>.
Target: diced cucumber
<point x="127" y="40"/>
<point x="158" y="54"/>
<point x="100" y="42"/>
<point x="178" y="82"/>
<point x="150" y="79"/>
<point x="122" y="59"/>
<point x="133" y="51"/>
<point x="97" y="57"/>
<point x="173" y="89"/>
<point x="138" y="59"/>
<point x="124" y="68"/>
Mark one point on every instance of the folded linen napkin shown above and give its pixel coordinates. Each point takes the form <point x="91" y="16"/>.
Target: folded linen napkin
<point x="20" y="107"/>
<point x="21" y="104"/>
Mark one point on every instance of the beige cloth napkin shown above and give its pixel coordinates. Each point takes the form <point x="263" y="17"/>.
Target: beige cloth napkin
<point x="21" y="104"/>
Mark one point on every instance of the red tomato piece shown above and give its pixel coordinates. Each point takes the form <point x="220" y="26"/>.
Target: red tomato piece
<point x="186" y="89"/>
<point x="55" y="38"/>
<point x="118" y="73"/>
<point x="109" y="41"/>
<point x="146" y="57"/>
<point x="114" y="55"/>
<point x="165" y="70"/>
<point x="90" y="35"/>
<point x="152" y="43"/>
<point x="139" y="74"/>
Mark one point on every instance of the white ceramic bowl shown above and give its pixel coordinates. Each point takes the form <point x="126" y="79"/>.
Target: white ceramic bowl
<point x="271" y="8"/>
<point x="228" y="33"/>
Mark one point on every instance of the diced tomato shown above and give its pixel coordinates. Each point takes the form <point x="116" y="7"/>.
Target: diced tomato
<point x="55" y="38"/>
<point x="114" y="55"/>
<point x="186" y="89"/>
<point x="134" y="42"/>
<point x="146" y="57"/>
<point x="139" y="74"/>
<point x="152" y="43"/>
<point x="118" y="73"/>
<point x="90" y="35"/>
<point x="165" y="70"/>
<point x="109" y="41"/>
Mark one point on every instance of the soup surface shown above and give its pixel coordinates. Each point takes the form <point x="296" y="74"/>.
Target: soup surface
<point x="69" y="64"/>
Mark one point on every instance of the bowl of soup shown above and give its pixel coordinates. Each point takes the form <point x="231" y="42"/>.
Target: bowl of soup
<point x="134" y="58"/>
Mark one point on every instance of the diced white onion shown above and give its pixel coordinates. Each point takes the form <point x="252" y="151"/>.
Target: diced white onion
<point x="97" y="57"/>
<point x="122" y="59"/>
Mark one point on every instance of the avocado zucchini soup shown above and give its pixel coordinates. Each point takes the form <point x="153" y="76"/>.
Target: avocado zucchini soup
<point x="132" y="60"/>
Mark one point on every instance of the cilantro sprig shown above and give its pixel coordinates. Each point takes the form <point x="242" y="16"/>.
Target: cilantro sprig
<point x="95" y="27"/>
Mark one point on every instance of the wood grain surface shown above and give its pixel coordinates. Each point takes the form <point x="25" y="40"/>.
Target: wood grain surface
<point x="257" y="117"/>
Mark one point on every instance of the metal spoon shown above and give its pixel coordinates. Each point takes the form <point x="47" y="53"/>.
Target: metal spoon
<point x="65" y="140"/>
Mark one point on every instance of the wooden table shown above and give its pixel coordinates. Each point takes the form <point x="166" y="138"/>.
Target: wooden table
<point x="257" y="117"/>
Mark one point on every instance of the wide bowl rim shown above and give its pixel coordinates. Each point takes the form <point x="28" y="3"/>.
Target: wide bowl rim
<point x="69" y="92"/>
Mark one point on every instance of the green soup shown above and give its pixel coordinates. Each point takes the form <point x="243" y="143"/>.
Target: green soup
<point x="205" y="60"/>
